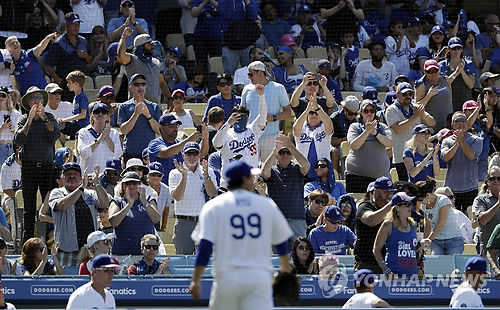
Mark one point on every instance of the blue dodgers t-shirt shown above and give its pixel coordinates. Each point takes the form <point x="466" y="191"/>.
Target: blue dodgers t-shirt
<point x="351" y="61"/>
<point x="417" y="159"/>
<point x="154" y="148"/>
<point x="281" y="76"/>
<point x="332" y="242"/>
<point x="334" y="88"/>
<point x="209" y="22"/>
<point x="226" y="104"/>
<point x="28" y="72"/>
<point x="80" y="102"/>
<point x="138" y="138"/>
<point x="191" y="91"/>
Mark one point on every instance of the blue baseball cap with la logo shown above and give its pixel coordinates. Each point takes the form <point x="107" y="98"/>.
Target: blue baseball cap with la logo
<point x="384" y="183"/>
<point x="114" y="164"/>
<point x="333" y="213"/>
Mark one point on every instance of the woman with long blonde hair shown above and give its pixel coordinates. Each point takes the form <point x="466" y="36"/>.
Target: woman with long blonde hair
<point x="398" y="235"/>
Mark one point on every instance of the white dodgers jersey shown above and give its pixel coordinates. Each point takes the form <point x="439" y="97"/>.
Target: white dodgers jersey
<point x="243" y="227"/>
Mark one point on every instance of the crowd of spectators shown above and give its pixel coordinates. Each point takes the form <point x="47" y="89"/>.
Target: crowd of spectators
<point x="440" y="113"/>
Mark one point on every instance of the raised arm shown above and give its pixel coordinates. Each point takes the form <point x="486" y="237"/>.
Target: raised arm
<point x="122" y="56"/>
<point x="37" y="51"/>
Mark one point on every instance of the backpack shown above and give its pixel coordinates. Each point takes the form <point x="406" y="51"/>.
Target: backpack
<point x="241" y="34"/>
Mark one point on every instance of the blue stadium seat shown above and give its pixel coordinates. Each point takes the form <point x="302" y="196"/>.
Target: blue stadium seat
<point x="347" y="260"/>
<point x="187" y="271"/>
<point x="191" y="260"/>
<point x="174" y="259"/>
<point x="275" y="260"/>
<point x="71" y="270"/>
<point x="438" y="264"/>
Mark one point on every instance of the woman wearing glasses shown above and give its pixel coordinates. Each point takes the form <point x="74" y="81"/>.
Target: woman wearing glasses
<point x="310" y="86"/>
<point x="35" y="259"/>
<point x="98" y="141"/>
<point x="8" y="120"/>
<point x="148" y="264"/>
<point x="438" y="90"/>
<point x="302" y="257"/>
<point x="398" y="235"/>
<point x="186" y="116"/>
<point x="367" y="159"/>
<point x="97" y="243"/>
<point x="421" y="160"/>
<point x="325" y="181"/>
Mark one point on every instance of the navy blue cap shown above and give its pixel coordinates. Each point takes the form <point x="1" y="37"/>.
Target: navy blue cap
<point x="60" y="156"/>
<point x="112" y="52"/>
<point x="144" y="153"/>
<point x="455" y="42"/>
<point x="412" y="21"/>
<point x="305" y="9"/>
<point x="333" y="214"/>
<point x="133" y="77"/>
<point x="169" y="119"/>
<point x="73" y="18"/>
<point x="370" y="187"/>
<point x="438" y="29"/>
<point x="423" y="53"/>
<point x="71" y="165"/>
<point x="422" y="128"/>
<point x="285" y="49"/>
<point x="364" y="277"/>
<point x="384" y="183"/>
<point x="106" y="90"/>
<point x="324" y="63"/>
<point x="104" y="261"/>
<point x="191" y="146"/>
<point x="404" y="87"/>
<point x="238" y="169"/>
<point x="476" y="264"/>
<point x="176" y="50"/>
<point x="370" y="92"/>
<point x="156" y="167"/>
<point x="402" y="197"/>
<point x="99" y="105"/>
<point x="114" y="164"/>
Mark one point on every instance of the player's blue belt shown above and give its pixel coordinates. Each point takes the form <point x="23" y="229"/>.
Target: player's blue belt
<point x="189" y="218"/>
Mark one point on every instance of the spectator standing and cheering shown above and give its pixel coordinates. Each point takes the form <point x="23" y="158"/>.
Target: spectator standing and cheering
<point x="36" y="133"/>
<point x="141" y="61"/>
<point x="376" y="71"/>
<point x="74" y="208"/>
<point x="138" y="119"/>
<point x="117" y="25"/>
<point x="91" y="13"/>
<point x="241" y="78"/>
<point x="285" y="182"/>
<point x="60" y="109"/>
<point x="69" y="52"/>
<point x="340" y="15"/>
<point x="225" y="99"/>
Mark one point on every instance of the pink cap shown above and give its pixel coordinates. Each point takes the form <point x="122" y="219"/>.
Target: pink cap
<point x="178" y="91"/>
<point x="287" y="40"/>
<point x="445" y="132"/>
<point x="429" y="64"/>
<point x="469" y="105"/>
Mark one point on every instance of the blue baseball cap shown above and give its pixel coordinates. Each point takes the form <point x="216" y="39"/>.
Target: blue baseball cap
<point x="364" y="277"/>
<point x="370" y="92"/>
<point x="402" y="197"/>
<point x="112" y="52"/>
<point x="176" y="50"/>
<point x="104" y="261"/>
<point x="285" y="49"/>
<point x="438" y="29"/>
<point x="106" y="90"/>
<point x="370" y="187"/>
<point x="123" y="1"/>
<point x="324" y="63"/>
<point x="476" y="264"/>
<point x="156" y="167"/>
<point x="422" y="128"/>
<point x="114" y="164"/>
<point x="191" y="146"/>
<point x="423" y="53"/>
<point x="384" y="183"/>
<point x="412" y="21"/>
<point x="71" y="165"/>
<point x="135" y="76"/>
<point x="73" y="18"/>
<point x="238" y="169"/>
<point x="333" y="214"/>
<point x="455" y="42"/>
<point x="144" y="153"/>
<point x="60" y="156"/>
<point x="99" y="105"/>
<point x="169" y="119"/>
<point x="305" y="9"/>
<point x="404" y="87"/>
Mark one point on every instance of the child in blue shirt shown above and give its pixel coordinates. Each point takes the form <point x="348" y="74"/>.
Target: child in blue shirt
<point x="80" y="118"/>
<point x="350" y="53"/>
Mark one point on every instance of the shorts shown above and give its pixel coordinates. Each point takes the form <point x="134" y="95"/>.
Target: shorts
<point x="242" y="289"/>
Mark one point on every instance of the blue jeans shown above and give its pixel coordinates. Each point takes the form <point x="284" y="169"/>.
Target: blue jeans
<point x="482" y="169"/>
<point x="299" y="228"/>
<point x="447" y="246"/>
<point x="5" y="151"/>
<point x="231" y="58"/>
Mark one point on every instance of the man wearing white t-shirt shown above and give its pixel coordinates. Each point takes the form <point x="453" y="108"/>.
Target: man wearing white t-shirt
<point x="91" y="13"/>
<point x="241" y="75"/>
<point x="95" y="295"/>
<point x="237" y="137"/>
<point x="375" y="71"/>
<point x="60" y="109"/>
<point x="466" y="295"/>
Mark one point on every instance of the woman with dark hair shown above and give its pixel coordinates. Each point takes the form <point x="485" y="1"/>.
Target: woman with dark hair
<point x="417" y="68"/>
<point x="473" y="54"/>
<point x="186" y="116"/>
<point x="302" y="257"/>
<point x="325" y="180"/>
<point x="347" y="206"/>
<point x="421" y="160"/>
<point x="367" y="159"/>
<point x="461" y="70"/>
<point x="440" y="225"/>
<point x="98" y="47"/>
<point x="34" y="259"/>
<point x="437" y="43"/>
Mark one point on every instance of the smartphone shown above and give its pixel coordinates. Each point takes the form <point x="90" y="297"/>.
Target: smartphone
<point x="318" y="76"/>
<point x="6" y="118"/>
<point x="198" y="128"/>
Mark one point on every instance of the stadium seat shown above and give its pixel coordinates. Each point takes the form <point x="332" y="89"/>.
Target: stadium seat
<point x="176" y="39"/>
<point x="441" y="176"/>
<point x="275" y="260"/>
<point x="102" y="80"/>
<point x="351" y="93"/>
<point x="344" y="147"/>
<point x="187" y="131"/>
<point x="470" y="248"/>
<point x="357" y="196"/>
<point x="91" y="94"/>
<point x="381" y="96"/>
<point x="191" y="260"/>
<point x="89" y="83"/>
<point x="216" y="65"/>
<point x="439" y="264"/>
<point x="71" y="270"/>
<point x="394" y="175"/>
<point x="309" y="63"/>
<point x="190" y="55"/>
<point x="169" y="248"/>
<point x="341" y="181"/>
<point x="364" y="53"/>
<point x="197" y="108"/>
<point x="317" y="52"/>
<point x="271" y="52"/>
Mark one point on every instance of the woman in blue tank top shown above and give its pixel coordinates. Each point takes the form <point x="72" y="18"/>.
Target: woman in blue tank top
<point x="400" y="239"/>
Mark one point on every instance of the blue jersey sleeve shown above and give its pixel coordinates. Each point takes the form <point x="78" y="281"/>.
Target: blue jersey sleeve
<point x="3" y="219"/>
<point x="123" y="114"/>
<point x="313" y="237"/>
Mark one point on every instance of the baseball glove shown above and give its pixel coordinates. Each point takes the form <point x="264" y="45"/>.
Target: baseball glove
<point x="286" y="289"/>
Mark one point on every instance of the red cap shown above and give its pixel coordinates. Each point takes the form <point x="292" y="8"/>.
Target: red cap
<point x="429" y="64"/>
<point x="445" y="132"/>
<point x="469" y="105"/>
<point x="287" y="40"/>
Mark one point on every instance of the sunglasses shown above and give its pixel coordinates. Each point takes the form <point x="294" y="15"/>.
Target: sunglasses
<point x="178" y="97"/>
<point x="2" y="245"/>
<point x="284" y="153"/>
<point x="36" y="97"/>
<point x="135" y="169"/>
<point x="100" y="111"/>
<point x="224" y="84"/>
<point x="313" y="83"/>
<point x="460" y="120"/>
<point x="137" y="84"/>
<point x="151" y="246"/>
<point x="107" y="96"/>
<point x="250" y="73"/>
<point x="407" y="94"/>
<point x="304" y="248"/>
<point x="453" y="196"/>
<point x="57" y="92"/>
<point x="313" y="113"/>
<point x="3" y="95"/>
<point x="321" y="166"/>
<point x="155" y="174"/>
<point x="192" y="153"/>
<point x="369" y="111"/>
<point x="352" y="113"/>
<point x="41" y="249"/>
<point x="320" y="202"/>
<point x="404" y="204"/>
<point x="113" y="173"/>
<point x="336" y="222"/>
<point x="494" y="179"/>
<point x="127" y="5"/>
<point x="432" y="71"/>
<point x="456" y="48"/>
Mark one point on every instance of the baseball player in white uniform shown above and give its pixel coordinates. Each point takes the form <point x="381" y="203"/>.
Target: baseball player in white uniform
<point x="237" y="137"/>
<point x="240" y="227"/>
<point x="364" y="281"/>
<point x="466" y="295"/>
<point x="94" y="294"/>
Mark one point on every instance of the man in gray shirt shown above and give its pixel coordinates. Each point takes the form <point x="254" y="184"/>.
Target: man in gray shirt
<point x="74" y="209"/>
<point x="461" y="151"/>
<point x="36" y="133"/>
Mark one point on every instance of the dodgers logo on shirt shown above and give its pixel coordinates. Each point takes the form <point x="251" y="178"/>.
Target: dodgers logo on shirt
<point x="236" y="146"/>
<point x="16" y="185"/>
